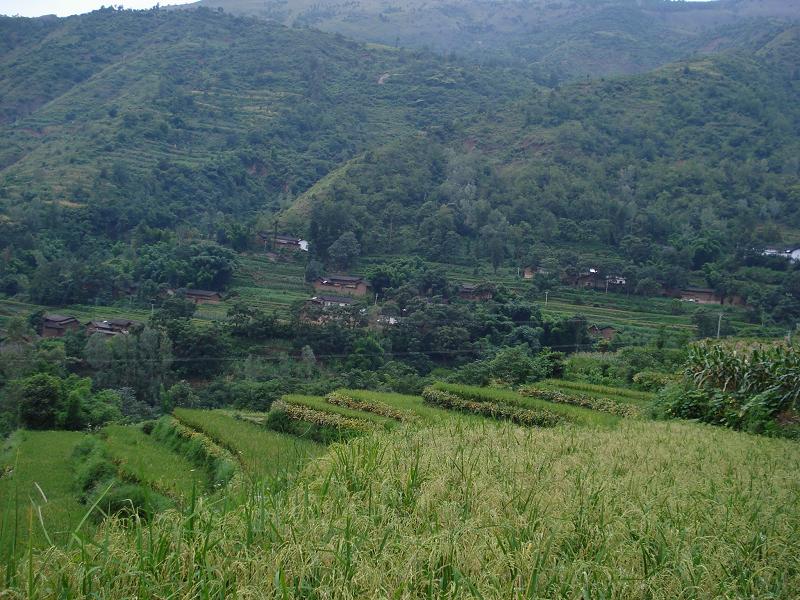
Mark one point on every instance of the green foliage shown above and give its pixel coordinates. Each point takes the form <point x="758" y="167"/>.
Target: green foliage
<point x="40" y="398"/>
<point x="753" y="388"/>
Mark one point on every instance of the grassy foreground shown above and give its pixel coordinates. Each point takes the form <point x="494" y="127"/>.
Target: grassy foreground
<point x="37" y="499"/>
<point x="643" y="510"/>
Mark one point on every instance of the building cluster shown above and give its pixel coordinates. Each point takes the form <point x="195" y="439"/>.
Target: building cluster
<point x="54" y="326"/>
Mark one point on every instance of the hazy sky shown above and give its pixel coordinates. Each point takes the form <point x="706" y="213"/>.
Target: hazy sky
<point x="62" y="8"/>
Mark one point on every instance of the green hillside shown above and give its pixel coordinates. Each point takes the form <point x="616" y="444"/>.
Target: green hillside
<point x="552" y="39"/>
<point x="203" y="111"/>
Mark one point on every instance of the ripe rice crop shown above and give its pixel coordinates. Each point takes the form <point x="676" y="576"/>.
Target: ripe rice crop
<point x="262" y="453"/>
<point x="575" y="414"/>
<point x="340" y="398"/>
<point x="591" y="402"/>
<point x="141" y="458"/>
<point x="320" y="404"/>
<point x="293" y="415"/>
<point x="615" y="393"/>
<point x="493" y="410"/>
<point x="647" y="510"/>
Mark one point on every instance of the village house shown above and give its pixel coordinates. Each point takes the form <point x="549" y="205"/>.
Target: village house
<point x="202" y="296"/>
<point x="280" y="241"/>
<point x="327" y="301"/>
<point x="474" y="292"/>
<point x="700" y="295"/>
<point x="607" y="332"/>
<point x="589" y="279"/>
<point x="326" y="308"/>
<point x="110" y="327"/>
<point x="58" y="325"/>
<point x="342" y="284"/>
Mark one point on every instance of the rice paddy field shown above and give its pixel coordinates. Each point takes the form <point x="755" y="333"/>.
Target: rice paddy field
<point x="617" y="394"/>
<point x="573" y="414"/>
<point x="263" y="453"/>
<point x="644" y="510"/>
<point x="142" y="459"/>
<point x="37" y="500"/>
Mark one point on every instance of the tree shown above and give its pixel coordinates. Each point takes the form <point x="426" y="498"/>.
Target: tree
<point x="345" y="250"/>
<point x="40" y="398"/>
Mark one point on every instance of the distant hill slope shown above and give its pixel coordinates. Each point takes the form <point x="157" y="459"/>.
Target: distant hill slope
<point x="159" y="115"/>
<point x="646" y="166"/>
<point x="565" y="39"/>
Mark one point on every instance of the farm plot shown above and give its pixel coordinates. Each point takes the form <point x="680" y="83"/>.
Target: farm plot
<point x="141" y="458"/>
<point x="567" y="413"/>
<point x="263" y="453"/>
<point x="37" y="499"/>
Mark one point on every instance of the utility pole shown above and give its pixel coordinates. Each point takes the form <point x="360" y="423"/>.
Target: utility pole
<point x="545" y="297"/>
<point x="719" y="325"/>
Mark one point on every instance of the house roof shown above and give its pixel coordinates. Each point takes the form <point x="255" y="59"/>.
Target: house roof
<point x="59" y="318"/>
<point x="334" y="299"/>
<point x="206" y="293"/>
<point x="342" y="278"/>
<point x="122" y="322"/>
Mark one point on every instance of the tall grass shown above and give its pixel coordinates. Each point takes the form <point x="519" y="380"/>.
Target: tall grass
<point x="648" y="510"/>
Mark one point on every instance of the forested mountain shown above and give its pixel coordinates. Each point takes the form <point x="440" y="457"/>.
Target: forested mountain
<point x="121" y="125"/>
<point x="204" y="112"/>
<point x="658" y="166"/>
<point x="554" y="40"/>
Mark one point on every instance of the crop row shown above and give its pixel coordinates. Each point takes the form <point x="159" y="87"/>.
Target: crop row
<point x="592" y="402"/>
<point x="339" y="398"/>
<point x="494" y="410"/>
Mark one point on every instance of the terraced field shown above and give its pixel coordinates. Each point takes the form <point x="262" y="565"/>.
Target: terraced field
<point x="262" y="453"/>
<point x="37" y="502"/>
<point x="141" y="458"/>
<point x="621" y="395"/>
<point x="570" y="414"/>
